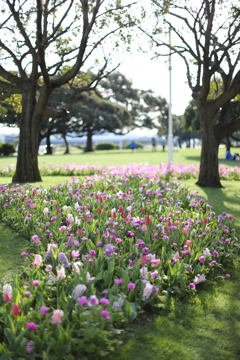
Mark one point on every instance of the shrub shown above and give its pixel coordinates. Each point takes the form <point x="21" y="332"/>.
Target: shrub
<point x="107" y="146"/>
<point x="138" y="145"/>
<point x="7" y="149"/>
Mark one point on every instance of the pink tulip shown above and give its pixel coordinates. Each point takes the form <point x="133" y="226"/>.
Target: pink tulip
<point x="185" y="230"/>
<point x="57" y="317"/>
<point x="189" y="242"/>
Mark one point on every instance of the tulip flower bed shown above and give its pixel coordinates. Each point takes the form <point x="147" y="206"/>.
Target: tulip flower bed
<point x="102" y="250"/>
<point x="178" y="171"/>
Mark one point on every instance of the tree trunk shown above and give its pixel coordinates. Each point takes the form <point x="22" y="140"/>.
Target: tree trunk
<point x="66" y="143"/>
<point x="48" y="143"/>
<point x="208" y="174"/>
<point x="89" y="147"/>
<point x="27" y="159"/>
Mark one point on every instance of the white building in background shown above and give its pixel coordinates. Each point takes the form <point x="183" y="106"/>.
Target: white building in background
<point x="8" y="138"/>
<point x="142" y="135"/>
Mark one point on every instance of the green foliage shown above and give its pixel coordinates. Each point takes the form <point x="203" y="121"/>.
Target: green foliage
<point x="139" y="145"/>
<point x="145" y="108"/>
<point x="6" y="149"/>
<point x="191" y="120"/>
<point x="89" y="113"/>
<point x="106" y="146"/>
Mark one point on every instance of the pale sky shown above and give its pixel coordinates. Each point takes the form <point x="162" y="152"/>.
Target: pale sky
<point x="154" y="74"/>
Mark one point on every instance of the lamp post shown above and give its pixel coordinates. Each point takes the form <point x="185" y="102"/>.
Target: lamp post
<point x="170" y="135"/>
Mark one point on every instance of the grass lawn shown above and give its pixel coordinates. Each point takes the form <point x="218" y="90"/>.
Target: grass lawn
<point x="181" y="156"/>
<point x="206" y="327"/>
<point x="11" y="247"/>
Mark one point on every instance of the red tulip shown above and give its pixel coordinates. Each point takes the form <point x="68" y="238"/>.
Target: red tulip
<point x="99" y="210"/>
<point x="166" y="230"/>
<point x="7" y="297"/>
<point x="120" y="209"/>
<point x="205" y="220"/>
<point x="143" y="260"/>
<point x="16" y="310"/>
<point x="147" y="219"/>
<point x="143" y="211"/>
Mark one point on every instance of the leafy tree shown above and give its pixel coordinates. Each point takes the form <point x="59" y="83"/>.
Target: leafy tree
<point x="89" y="114"/>
<point x="115" y="95"/>
<point x="60" y="98"/>
<point x="49" y="42"/>
<point x="147" y="110"/>
<point x="191" y="119"/>
<point x="8" y="115"/>
<point x="206" y="34"/>
<point x="93" y="114"/>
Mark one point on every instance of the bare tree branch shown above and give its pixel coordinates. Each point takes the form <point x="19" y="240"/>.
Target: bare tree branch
<point x="14" y="79"/>
<point x="15" y="59"/>
<point x="41" y="52"/>
<point x="20" y="26"/>
<point x="227" y="129"/>
<point x="55" y="114"/>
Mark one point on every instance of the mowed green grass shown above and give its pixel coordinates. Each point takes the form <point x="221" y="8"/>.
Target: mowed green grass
<point x="11" y="247"/>
<point x="117" y="157"/>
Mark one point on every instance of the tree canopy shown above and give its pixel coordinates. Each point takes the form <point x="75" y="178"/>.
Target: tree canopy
<point x="147" y="109"/>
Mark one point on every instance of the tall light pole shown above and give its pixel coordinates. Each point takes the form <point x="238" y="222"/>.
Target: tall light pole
<point x="170" y="135"/>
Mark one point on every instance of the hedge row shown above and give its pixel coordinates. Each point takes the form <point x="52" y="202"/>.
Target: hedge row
<point x="7" y="149"/>
<point x="112" y="146"/>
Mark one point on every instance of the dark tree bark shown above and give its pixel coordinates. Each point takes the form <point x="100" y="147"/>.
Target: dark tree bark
<point x="208" y="175"/>
<point x="89" y="147"/>
<point x="49" y="147"/>
<point x="66" y="144"/>
<point x="27" y="164"/>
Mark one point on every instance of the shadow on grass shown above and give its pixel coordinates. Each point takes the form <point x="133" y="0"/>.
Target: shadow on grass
<point x="11" y="247"/>
<point x="225" y="199"/>
<point x="206" y="328"/>
<point x="229" y="163"/>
